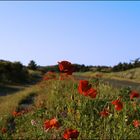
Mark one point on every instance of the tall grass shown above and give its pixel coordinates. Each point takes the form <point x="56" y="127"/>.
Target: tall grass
<point x="60" y="99"/>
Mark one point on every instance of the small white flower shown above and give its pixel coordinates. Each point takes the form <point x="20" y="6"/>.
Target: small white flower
<point x="110" y="116"/>
<point x="126" y="118"/>
<point x="33" y="122"/>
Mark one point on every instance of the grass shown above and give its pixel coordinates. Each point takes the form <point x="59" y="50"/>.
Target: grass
<point x="60" y="99"/>
<point x="132" y="75"/>
<point x="10" y="102"/>
<point x="11" y="95"/>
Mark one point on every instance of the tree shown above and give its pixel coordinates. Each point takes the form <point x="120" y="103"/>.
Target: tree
<point x="136" y="62"/>
<point x="32" y="65"/>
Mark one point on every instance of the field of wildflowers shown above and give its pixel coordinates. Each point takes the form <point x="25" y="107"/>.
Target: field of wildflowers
<point x="66" y="108"/>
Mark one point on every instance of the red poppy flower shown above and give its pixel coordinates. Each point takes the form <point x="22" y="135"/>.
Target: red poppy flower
<point x="92" y="92"/>
<point x="51" y="123"/>
<point x="104" y="113"/>
<point x="3" y="130"/>
<point x="66" y="67"/>
<point x="15" y="113"/>
<point x="70" y="133"/>
<point x="49" y="76"/>
<point x="84" y="87"/>
<point x="134" y="94"/>
<point x="118" y="105"/>
<point x="136" y="123"/>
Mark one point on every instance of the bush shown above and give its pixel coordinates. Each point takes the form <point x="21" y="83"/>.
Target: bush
<point x="13" y="72"/>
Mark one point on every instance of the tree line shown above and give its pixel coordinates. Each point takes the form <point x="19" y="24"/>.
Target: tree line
<point x="17" y="72"/>
<point x="125" y="66"/>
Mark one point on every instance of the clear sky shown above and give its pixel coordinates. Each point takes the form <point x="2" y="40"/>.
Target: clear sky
<point x="90" y="33"/>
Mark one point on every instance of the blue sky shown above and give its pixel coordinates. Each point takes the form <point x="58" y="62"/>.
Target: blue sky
<point x="90" y="33"/>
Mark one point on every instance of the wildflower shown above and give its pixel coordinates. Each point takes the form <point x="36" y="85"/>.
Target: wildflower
<point x="64" y="114"/>
<point x="104" y="113"/>
<point x="15" y="113"/>
<point x="118" y="105"/>
<point x="66" y="67"/>
<point x="126" y="118"/>
<point x="50" y="75"/>
<point x="33" y="122"/>
<point x="136" y="123"/>
<point x="83" y="87"/>
<point x="92" y="92"/>
<point x="134" y="94"/>
<point x="3" y="130"/>
<point x="70" y="133"/>
<point x="51" y="123"/>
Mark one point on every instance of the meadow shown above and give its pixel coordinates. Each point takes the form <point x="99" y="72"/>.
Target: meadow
<point x="132" y="75"/>
<point x="60" y="106"/>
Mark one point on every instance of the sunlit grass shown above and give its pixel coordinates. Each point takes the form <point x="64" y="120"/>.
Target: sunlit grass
<point x="132" y="75"/>
<point x="9" y="102"/>
<point x="60" y="99"/>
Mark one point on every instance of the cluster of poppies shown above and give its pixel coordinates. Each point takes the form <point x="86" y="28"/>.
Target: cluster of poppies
<point x="68" y="133"/>
<point x="118" y="105"/>
<point x="86" y="89"/>
<point x="66" y="68"/>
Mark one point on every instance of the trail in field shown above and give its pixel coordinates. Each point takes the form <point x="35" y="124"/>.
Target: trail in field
<point x="116" y="83"/>
<point x="11" y="89"/>
<point x="121" y="84"/>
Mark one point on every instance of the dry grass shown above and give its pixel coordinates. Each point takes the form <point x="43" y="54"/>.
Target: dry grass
<point x="10" y="102"/>
<point x="132" y="75"/>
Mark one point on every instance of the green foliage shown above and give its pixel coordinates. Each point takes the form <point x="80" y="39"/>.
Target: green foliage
<point x="125" y="93"/>
<point x="45" y="69"/>
<point x="13" y="72"/>
<point x="125" y="66"/>
<point x="32" y="65"/>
